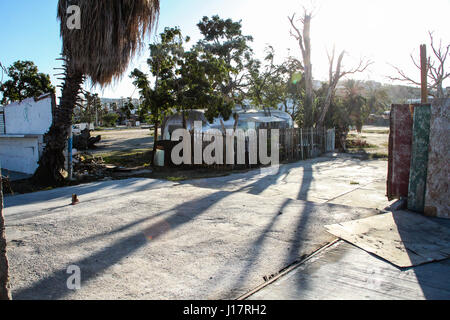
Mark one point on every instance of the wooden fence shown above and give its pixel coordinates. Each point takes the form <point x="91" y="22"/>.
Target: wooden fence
<point x="294" y="144"/>
<point x="301" y="144"/>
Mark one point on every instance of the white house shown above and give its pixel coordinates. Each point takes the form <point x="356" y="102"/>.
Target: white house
<point x="22" y="128"/>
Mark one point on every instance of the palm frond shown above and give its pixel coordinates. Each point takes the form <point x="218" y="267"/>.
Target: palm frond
<point x="111" y="32"/>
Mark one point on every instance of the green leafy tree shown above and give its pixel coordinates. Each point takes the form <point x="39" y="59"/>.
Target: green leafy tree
<point x="356" y="103"/>
<point x="265" y="81"/>
<point x="275" y="86"/>
<point x="293" y="93"/>
<point x="128" y="107"/>
<point x="377" y="97"/>
<point x="184" y="80"/>
<point x="159" y="99"/>
<point x="198" y="85"/>
<point x="338" y="118"/>
<point x="25" y="82"/>
<point x="110" y="119"/>
<point x="223" y="40"/>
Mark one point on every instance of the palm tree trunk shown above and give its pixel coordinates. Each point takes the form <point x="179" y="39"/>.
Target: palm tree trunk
<point x="4" y="278"/>
<point x="51" y="163"/>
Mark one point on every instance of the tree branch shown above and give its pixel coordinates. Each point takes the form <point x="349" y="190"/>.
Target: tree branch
<point x="298" y="36"/>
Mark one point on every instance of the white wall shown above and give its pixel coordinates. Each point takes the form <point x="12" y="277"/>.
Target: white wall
<point x="29" y="116"/>
<point x="20" y="153"/>
<point x="26" y="123"/>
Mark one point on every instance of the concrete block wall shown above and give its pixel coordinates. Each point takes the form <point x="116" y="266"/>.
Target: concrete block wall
<point x="20" y="152"/>
<point x="29" y="116"/>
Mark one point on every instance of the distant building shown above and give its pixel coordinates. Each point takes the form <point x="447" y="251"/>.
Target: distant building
<point x="418" y="101"/>
<point x="107" y="102"/>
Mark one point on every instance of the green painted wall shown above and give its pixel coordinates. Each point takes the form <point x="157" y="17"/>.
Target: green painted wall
<point x="419" y="158"/>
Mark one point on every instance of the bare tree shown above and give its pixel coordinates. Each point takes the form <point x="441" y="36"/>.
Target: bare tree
<point x="436" y="69"/>
<point x="303" y="36"/>
<point x="3" y="72"/>
<point x="335" y="76"/>
<point x="4" y="287"/>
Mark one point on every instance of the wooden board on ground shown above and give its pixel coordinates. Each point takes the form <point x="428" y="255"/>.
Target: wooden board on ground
<point x="405" y="239"/>
<point x="345" y="272"/>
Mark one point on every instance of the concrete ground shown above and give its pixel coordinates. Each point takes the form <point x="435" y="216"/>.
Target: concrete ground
<point x="333" y="178"/>
<point x="202" y="239"/>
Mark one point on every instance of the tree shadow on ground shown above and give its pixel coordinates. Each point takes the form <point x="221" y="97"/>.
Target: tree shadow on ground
<point x="257" y="247"/>
<point x="54" y="286"/>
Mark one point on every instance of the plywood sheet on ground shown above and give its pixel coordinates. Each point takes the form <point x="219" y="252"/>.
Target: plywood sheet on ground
<point x="344" y="272"/>
<point x="438" y="177"/>
<point x="403" y="238"/>
<point x="400" y="139"/>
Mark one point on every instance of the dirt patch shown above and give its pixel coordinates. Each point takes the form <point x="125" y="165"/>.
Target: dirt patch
<point x="123" y="140"/>
<point x="371" y="143"/>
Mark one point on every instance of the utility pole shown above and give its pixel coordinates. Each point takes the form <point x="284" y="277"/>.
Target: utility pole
<point x="424" y="73"/>
<point x="5" y="293"/>
<point x="70" y="153"/>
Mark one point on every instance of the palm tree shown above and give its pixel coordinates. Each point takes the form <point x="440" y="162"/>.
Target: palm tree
<point x="111" y="32"/>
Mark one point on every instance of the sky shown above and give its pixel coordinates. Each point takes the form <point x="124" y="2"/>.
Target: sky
<point x="384" y="31"/>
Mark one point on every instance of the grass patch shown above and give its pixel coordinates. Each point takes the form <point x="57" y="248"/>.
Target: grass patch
<point x="128" y="159"/>
<point x="355" y="136"/>
<point x="359" y="144"/>
<point x="364" y="155"/>
<point x="376" y="131"/>
<point x="354" y="182"/>
<point x="177" y="175"/>
<point x="378" y="155"/>
<point x="175" y="179"/>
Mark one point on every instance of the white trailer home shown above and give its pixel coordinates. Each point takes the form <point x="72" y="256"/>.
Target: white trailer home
<point x="247" y="119"/>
